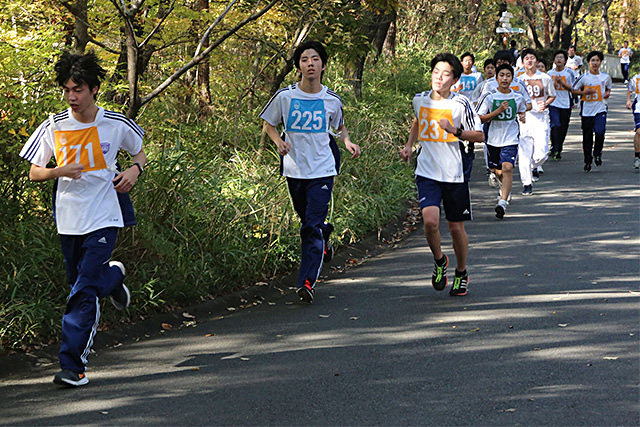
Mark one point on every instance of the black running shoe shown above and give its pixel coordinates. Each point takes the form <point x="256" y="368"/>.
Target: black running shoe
<point x="439" y="276"/>
<point x="328" y="251"/>
<point x="306" y="292"/>
<point x="70" y="379"/>
<point x="120" y="297"/>
<point x="587" y="167"/>
<point x="597" y="160"/>
<point x="460" y="283"/>
<point x="527" y="190"/>
<point x="535" y="175"/>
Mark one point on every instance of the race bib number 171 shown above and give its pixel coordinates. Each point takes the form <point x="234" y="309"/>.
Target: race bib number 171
<point x="80" y="146"/>
<point x="307" y="116"/>
<point x="429" y="125"/>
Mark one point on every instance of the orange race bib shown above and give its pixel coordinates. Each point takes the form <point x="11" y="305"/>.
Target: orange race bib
<point x="80" y="146"/>
<point x="593" y="97"/>
<point x="515" y="88"/>
<point x="557" y="83"/>
<point x="429" y="126"/>
<point x="637" y="86"/>
<point x="535" y="88"/>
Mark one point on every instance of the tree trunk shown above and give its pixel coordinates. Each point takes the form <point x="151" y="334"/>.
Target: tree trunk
<point x="623" y="16"/>
<point x="606" y="30"/>
<point x="529" y="14"/>
<point x="204" y="86"/>
<point x="390" y="42"/>
<point x="474" y="8"/>
<point x="81" y="31"/>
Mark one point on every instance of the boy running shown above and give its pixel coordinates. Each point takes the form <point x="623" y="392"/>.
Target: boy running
<point x="309" y="155"/>
<point x="633" y="104"/>
<point x="594" y="87"/>
<point x="500" y="108"/>
<point x="90" y="201"/>
<point x="446" y="126"/>
<point x="560" y="108"/>
<point x="534" y="143"/>
<point x="625" y="54"/>
<point x="469" y="80"/>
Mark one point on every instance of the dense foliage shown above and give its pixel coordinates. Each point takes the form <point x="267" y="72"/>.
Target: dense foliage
<point x="213" y="213"/>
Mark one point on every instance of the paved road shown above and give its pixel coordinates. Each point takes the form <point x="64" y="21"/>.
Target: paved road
<point x="548" y="334"/>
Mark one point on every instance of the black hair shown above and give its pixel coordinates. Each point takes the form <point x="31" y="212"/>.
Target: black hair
<point x="543" y="62"/>
<point x="464" y="55"/>
<point x="79" y="68"/>
<point x="561" y="52"/>
<point x="529" y="51"/>
<point x="312" y="44"/>
<point x="504" y="55"/>
<point x="488" y="62"/>
<point x="450" y="59"/>
<point x="595" y="53"/>
<point x="505" y="67"/>
<point x="513" y="43"/>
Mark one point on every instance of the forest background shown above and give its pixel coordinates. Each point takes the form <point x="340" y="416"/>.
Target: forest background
<point x="213" y="213"/>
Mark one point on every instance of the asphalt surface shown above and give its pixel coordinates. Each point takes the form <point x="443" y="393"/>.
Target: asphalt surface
<point x="548" y="334"/>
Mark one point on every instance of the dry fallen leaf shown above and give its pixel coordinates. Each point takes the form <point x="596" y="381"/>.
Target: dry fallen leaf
<point x="475" y="330"/>
<point x="508" y="410"/>
<point x="324" y="316"/>
<point x="610" y="358"/>
<point x="210" y="335"/>
<point x="354" y="318"/>
<point x="563" y="325"/>
<point x="231" y="309"/>
<point x="167" y="326"/>
<point x="188" y="316"/>
<point x="244" y="359"/>
<point x="195" y="368"/>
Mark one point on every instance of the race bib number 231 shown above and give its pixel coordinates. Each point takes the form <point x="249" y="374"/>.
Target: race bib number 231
<point x="429" y="125"/>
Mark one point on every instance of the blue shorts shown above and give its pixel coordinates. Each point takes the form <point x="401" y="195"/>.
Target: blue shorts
<point x="454" y="196"/>
<point x="636" y="117"/>
<point x="499" y="155"/>
<point x="596" y="124"/>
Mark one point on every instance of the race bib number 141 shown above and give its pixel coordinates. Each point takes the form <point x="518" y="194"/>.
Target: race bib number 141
<point x="307" y="116"/>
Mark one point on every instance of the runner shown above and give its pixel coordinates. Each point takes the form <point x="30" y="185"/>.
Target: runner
<point x="500" y="109"/>
<point x="625" y="54"/>
<point x="446" y="126"/>
<point x="309" y="155"/>
<point x="560" y="108"/>
<point x="574" y="63"/>
<point x="534" y="142"/>
<point x="90" y="201"/>
<point x="595" y="87"/>
<point x="633" y="104"/>
<point x="469" y="80"/>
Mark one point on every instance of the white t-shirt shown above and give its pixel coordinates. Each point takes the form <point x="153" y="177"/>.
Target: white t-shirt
<point x="440" y="155"/>
<point x="306" y="118"/>
<point x="594" y="103"/>
<point x="540" y="87"/>
<point x="503" y="129"/>
<point x="626" y="53"/>
<point x="468" y="84"/>
<point x="634" y="88"/>
<point x="516" y="85"/>
<point x="574" y="63"/>
<point x="563" y="96"/>
<point x="89" y="203"/>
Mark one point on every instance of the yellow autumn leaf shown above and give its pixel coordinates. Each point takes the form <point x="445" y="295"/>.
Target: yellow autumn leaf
<point x="32" y="120"/>
<point x="12" y="132"/>
<point x="23" y="131"/>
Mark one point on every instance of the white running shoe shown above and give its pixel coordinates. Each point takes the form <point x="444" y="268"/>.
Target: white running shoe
<point x="636" y="163"/>
<point x="494" y="182"/>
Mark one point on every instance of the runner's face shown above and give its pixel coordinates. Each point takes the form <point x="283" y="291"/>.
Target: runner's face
<point x="594" y="64"/>
<point x="499" y="62"/>
<point x="504" y="78"/>
<point x="559" y="60"/>
<point x="311" y="64"/>
<point x="572" y="52"/>
<point x="540" y="66"/>
<point x="79" y="96"/>
<point x="490" y="71"/>
<point x="467" y="63"/>
<point x="529" y="61"/>
<point x="442" y="76"/>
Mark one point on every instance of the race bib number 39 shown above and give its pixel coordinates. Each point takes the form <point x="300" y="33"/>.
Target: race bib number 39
<point x="592" y="97"/>
<point x="508" y="114"/>
<point x="557" y="84"/>
<point x="307" y="116"/>
<point x="80" y="146"/>
<point x="429" y="125"/>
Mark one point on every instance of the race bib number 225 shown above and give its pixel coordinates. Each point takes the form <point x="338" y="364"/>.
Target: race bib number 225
<point x="307" y="116"/>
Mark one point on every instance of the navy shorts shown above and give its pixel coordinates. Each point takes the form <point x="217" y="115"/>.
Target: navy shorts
<point x="636" y="118"/>
<point x="596" y="124"/>
<point x="498" y="155"/>
<point x="454" y="196"/>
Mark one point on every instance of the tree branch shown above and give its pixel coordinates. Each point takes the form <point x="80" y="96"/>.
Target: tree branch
<point x="212" y="26"/>
<point x="197" y="59"/>
<point x="157" y="27"/>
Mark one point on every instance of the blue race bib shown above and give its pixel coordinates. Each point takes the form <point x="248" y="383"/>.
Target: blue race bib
<point x="307" y="116"/>
<point x="468" y="82"/>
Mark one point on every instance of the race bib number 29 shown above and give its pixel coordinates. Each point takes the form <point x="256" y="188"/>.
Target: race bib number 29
<point x="307" y="116"/>
<point x="429" y="125"/>
<point x="80" y="146"/>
